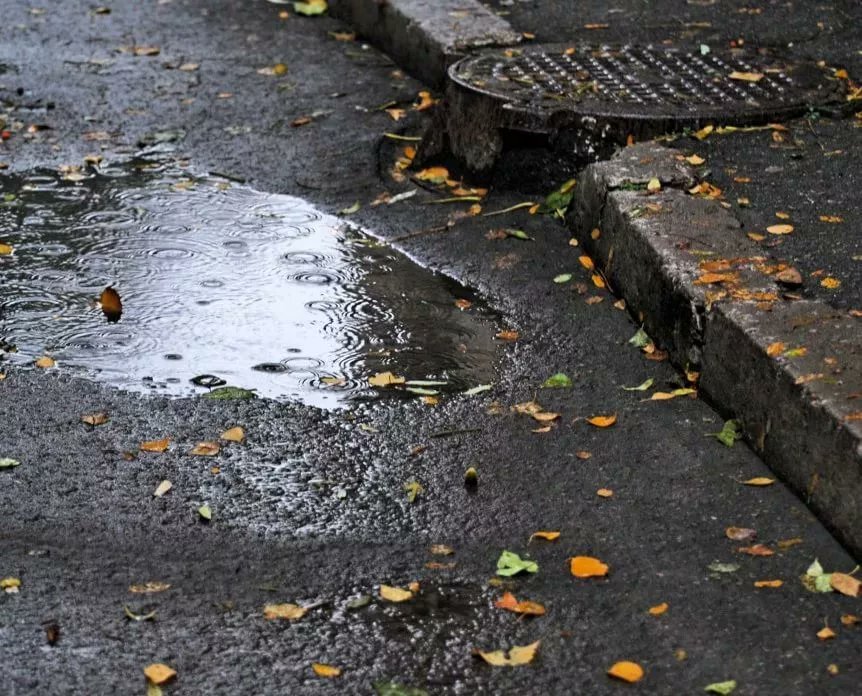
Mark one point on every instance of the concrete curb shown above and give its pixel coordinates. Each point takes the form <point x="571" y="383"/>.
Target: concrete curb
<point x="425" y="36"/>
<point x="801" y="412"/>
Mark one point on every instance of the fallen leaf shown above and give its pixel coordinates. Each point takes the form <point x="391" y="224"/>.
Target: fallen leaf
<point x="150" y="587"/>
<point x="162" y="488"/>
<point x="433" y="175"/>
<point x="665" y="396"/>
<point x="155" y="445"/>
<point x="395" y="594"/>
<point x="562" y="278"/>
<point x="206" y="449"/>
<point x="775" y="349"/>
<point x="658" y="609"/>
<point x="643" y="386"/>
<point x="704" y="132"/>
<point x="557" y="380"/>
<point x="310" y="8"/>
<point x="834" y="219"/>
<point x="205" y="512"/>
<point x="757" y="550"/>
<point x="7" y="463"/>
<point x="583" y="454"/>
<point x="605" y="493"/>
<point x="146" y="50"/>
<point x="133" y="616"/>
<point x="759" y="481"/>
<point x="602" y="421"/>
<point x="278" y="69"/>
<point x="586" y="262"/>
<point x="5" y="249"/>
<point x="511" y="564"/>
<point x="826" y="633"/>
<point x="426" y="101"/>
<point x="846" y="584"/>
<point x="587" y="567"/>
<point x="326" y="671"/>
<point x="695" y="160"/>
<point x="746" y="76"/>
<point x="548" y="536"/>
<point x="292" y="612"/>
<point x="45" y="362"/>
<point x="441" y="550"/>
<point x="95" y="419"/>
<point x="189" y="67"/>
<point x="789" y="543"/>
<point x="722" y="688"/>
<point x="301" y="121"/>
<point x="850" y="619"/>
<point x="343" y="35"/>
<point x="518" y="655"/>
<point x="717" y="567"/>
<point x="10" y="585"/>
<point x="780" y="229"/>
<point x="729" y="433"/>
<point x="413" y="488"/>
<point x="396" y="114"/>
<point x="653" y="185"/>
<point x="769" y="583"/>
<point x="508" y="335"/>
<point x="510" y="603"/>
<point x="830" y="283"/>
<point x="159" y="674"/>
<point x="463" y="304"/>
<point x="626" y="671"/>
<point x="385" y="379"/>
<point x="111" y="304"/>
<point x="740" y="533"/>
<point x="235" y="434"/>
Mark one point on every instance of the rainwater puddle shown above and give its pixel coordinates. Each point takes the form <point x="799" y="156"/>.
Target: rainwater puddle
<point x="260" y="290"/>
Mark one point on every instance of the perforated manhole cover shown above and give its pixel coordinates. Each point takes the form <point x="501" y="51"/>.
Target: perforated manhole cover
<point x="613" y="92"/>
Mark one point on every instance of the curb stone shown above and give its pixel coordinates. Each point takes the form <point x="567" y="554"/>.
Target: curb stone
<point x="426" y="36"/>
<point x="801" y="413"/>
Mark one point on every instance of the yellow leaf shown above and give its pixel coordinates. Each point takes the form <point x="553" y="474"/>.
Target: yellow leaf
<point x="518" y="655"/>
<point x="158" y="674"/>
<point x="746" y="76"/>
<point x="385" y="379"/>
<point x="587" y="567"/>
<point x="441" y="550"/>
<point x="291" y="612"/>
<point x="825" y="633"/>
<point x="759" y="481"/>
<point x="780" y="229"/>
<point x="830" y="283"/>
<point x="45" y="362"/>
<point x="548" y="536"/>
<point x="150" y="587"/>
<point x="603" y="421"/>
<point x="605" y="493"/>
<point x="327" y="671"/>
<point x="155" y="445"/>
<point x="395" y="594"/>
<point x="775" y="349"/>
<point x="695" y="160"/>
<point x="95" y="419"/>
<point x="658" y="609"/>
<point x="769" y="583"/>
<point x="627" y="671"/>
<point x="235" y="434"/>
<point x="162" y="488"/>
<point x="10" y="584"/>
<point x="704" y="132"/>
<point x="206" y="449"/>
<point x="653" y="185"/>
<point x="5" y="249"/>
<point x="846" y="584"/>
<point x="781" y="215"/>
<point x="664" y="396"/>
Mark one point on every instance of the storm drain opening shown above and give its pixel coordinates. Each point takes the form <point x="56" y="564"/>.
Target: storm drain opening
<point x="588" y="100"/>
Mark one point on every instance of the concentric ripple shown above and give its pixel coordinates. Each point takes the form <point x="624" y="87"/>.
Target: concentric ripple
<point x="261" y="290"/>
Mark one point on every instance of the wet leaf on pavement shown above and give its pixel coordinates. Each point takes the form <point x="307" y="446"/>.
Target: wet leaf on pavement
<point x="768" y="583"/>
<point x="228" y="393"/>
<point x="641" y="339"/>
<point x="414" y="489"/>
<point x="205" y="512"/>
<point x="756" y="550"/>
<point x="826" y="633"/>
<point x="326" y="671"/>
<point x="45" y="362"/>
<point x="155" y="445"/>
<point x="291" y="612"/>
<point x="206" y="449"/>
<point x="557" y="380"/>
<point x="759" y="481"/>
<point x="558" y="201"/>
<point x="723" y="688"/>
<point x="587" y="567"/>
<point x="395" y="594"/>
<point x="605" y="493"/>
<point x="603" y="421"/>
<point x="159" y="673"/>
<point x="441" y="550"/>
<point x="740" y="533"/>
<point x="665" y="396"/>
<point x="717" y="567"/>
<point x="10" y="585"/>
<point x="845" y="584"/>
<point x="511" y="564"/>
<point x="134" y="616"/>
<point x="627" y="671"/>
<point x="658" y="609"/>
<point x="562" y="278"/>
<point x="643" y="386"/>
<point x="385" y="379"/>
<point x="111" y="304"/>
<point x="517" y="656"/>
<point x="510" y="603"/>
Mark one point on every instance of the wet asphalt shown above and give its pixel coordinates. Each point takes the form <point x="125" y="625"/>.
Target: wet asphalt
<point x="80" y="523"/>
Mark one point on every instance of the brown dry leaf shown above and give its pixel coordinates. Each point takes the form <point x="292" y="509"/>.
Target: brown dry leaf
<point x="740" y="533"/>
<point x="235" y="434"/>
<point x="45" y="362"/>
<point x="441" y="550"/>
<point x="759" y="481"/>
<point x="825" y="633"/>
<point x="510" y="603"/>
<point x="158" y="673"/>
<point x="545" y="417"/>
<point x="603" y="421"/>
<point x="162" y="488"/>
<point x="326" y="671"/>
<point x="343" y="35"/>
<point x="586" y="262"/>
<point x="395" y="594"/>
<point x="111" y="304"/>
<point x="775" y="349"/>
<point x="206" y="449"/>
<point x="527" y="408"/>
<point x="518" y="655"/>
<point x="155" y="445"/>
<point x="150" y="587"/>
<point x="834" y="219"/>
<point x="713" y="278"/>
<point x="463" y="304"/>
<point x="746" y="76"/>
<point x="850" y="619"/>
<point x="658" y="609"/>
<point x="385" y="379"/>
<point x="429" y="400"/>
<point x="583" y="454"/>
<point x="756" y="550"/>
<point x="508" y="335"/>
<point x="845" y="584"/>
<point x="291" y="612"/>
<point x="665" y="396"/>
<point x="705" y="190"/>
<point x="785" y="544"/>
<point x="548" y="536"/>
<point x="433" y="565"/>
<point x="605" y="493"/>
<point x="301" y="121"/>
<point x="780" y="229"/>
<point x="769" y="583"/>
<point x="811" y="377"/>
<point x="587" y="567"/>
<point x="627" y="671"/>
<point x="95" y="419"/>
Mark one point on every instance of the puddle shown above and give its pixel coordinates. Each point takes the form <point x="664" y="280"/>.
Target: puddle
<point x="261" y="290"/>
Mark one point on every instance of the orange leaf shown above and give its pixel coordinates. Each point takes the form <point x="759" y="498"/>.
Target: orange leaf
<point x="155" y="445"/>
<point x="775" y="349"/>
<point x="627" y="671"/>
<point x="587" y="262"/>
<point x="845" y="584"/>
<point x="780" y="229"/>
<point x="598" y="281"/>
<point x="463" y="304"/>
<point x="769" y="583"/>
<point x="548" y="536"/>
<point x="435" y="175"/>
<point x="45" y="362"/>
<point x="326" y="671"/>
<point x="825" y="633"/>
<point x="510" y="603"/>
<point x="658" y="609"/>
<point x="508" y="335"/>
<point x="850" y="619"/>
<point x="158" y="673"/>
<point x="757" y="550"/>
<point x="587" y="567"/>
<point x="605" y="493"/>
<point x="112" y="306"/>
<point x="206" y="449"/>
<point x="603" y="421"/>
<point x="759" y="481"/>
<point x="583" y="454"/>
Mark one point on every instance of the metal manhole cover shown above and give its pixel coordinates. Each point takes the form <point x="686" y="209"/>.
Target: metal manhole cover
<point x="633" y="83"/>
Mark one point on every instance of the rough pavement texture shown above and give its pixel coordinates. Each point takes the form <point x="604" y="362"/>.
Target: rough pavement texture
<point x="80" y="523"/>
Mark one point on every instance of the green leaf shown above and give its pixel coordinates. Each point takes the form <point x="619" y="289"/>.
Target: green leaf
<point x="640" y="339"/>
<point x="223" y="393"/>
<point x="723" y="688"/>
<point x="823" y="583"/>
<point x="562" y="278"/>
<point x="518" y="234"/>
<point x="9" y="463"/>
<point x="395" y="689"/>
<point x="350" y="209"/>
<point x="558" y="380"/>
<point x="717" y="567"/>
<point x="477" y="389"/>
<point x="310" y="8"/>
<point x="643" y="386"/>
<point x="558" y="201"/>
<point x="511" y="564"/>
<point x="729" y="433"/>
<point x="205" y="512"/>
<point x="413" y="488"/>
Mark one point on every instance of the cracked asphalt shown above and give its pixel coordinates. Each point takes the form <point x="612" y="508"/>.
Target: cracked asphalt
<point x="80" y="523"/>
